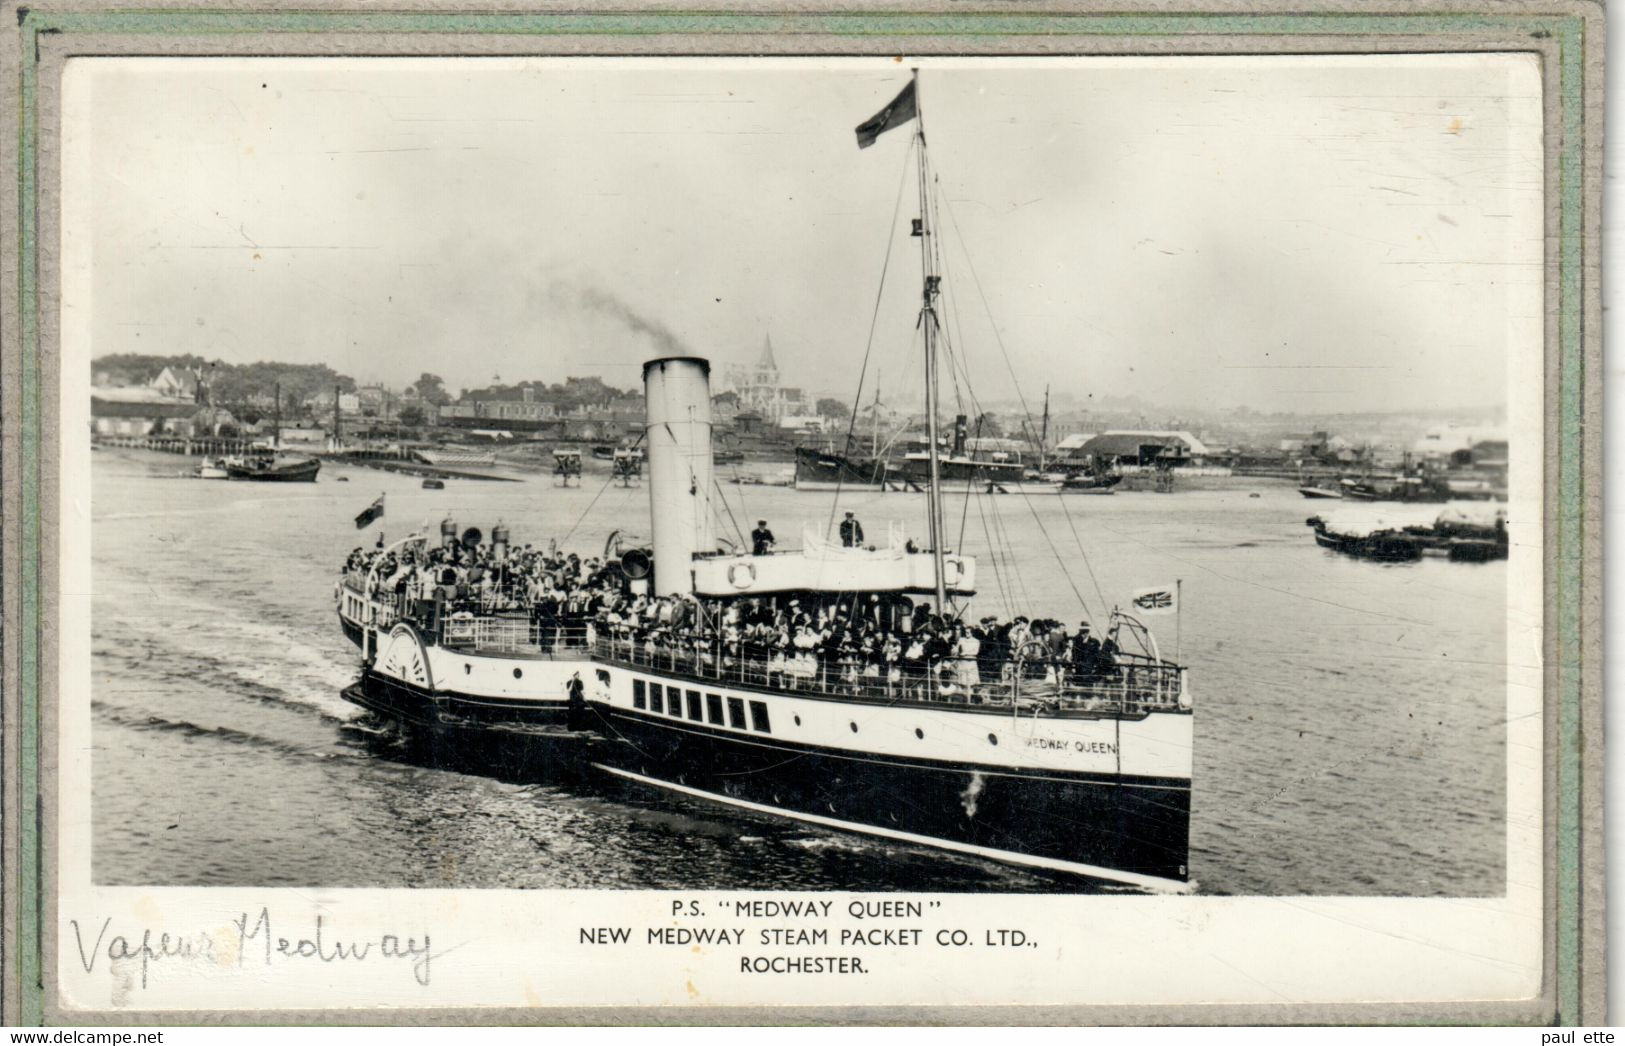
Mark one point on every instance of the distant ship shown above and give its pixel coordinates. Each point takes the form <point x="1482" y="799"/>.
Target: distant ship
<point x="828" y="470"/>
<point x="958" y="470"/>
<point x="267" y="466"/>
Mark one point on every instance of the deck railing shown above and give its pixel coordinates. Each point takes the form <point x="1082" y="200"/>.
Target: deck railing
<point x="515" y="634"/>
<point x="1131" y="684"/>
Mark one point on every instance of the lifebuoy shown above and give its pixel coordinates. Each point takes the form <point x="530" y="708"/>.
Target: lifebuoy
<point x="742" y="575"/>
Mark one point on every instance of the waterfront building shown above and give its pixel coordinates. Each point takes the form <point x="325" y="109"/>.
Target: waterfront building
<point x="179" y="383"/>
<point x="144" y="411"/>
<point x="1144" y="447"/>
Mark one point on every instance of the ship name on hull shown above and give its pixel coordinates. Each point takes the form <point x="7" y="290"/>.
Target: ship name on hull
<point x="1085" y="747"/>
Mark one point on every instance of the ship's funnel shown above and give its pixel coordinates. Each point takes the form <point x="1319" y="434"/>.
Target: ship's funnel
<point x="677" y="397"/>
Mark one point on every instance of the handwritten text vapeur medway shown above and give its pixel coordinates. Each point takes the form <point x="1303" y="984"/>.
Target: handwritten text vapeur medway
<point x="248" y="939"/>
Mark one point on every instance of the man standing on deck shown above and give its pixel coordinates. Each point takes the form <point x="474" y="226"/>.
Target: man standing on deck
<point x="1085" y="655"/>
<point x="578" y="702"/>
<point x="761" y="539"/>
<point x="851" y="532"/>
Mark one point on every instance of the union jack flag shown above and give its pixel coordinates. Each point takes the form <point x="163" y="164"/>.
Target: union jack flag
<point x="1159" y="599"/>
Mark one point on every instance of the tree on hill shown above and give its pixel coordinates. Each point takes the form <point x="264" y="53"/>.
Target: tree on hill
<point x="589" y="392"/>
<point x="299" y="383"/>
<point x="584" y="392"/>
<point x="432" y="390"/>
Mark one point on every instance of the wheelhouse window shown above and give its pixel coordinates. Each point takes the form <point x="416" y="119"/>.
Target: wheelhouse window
<point x="758" y="717"/>
<point x="639" y="699"/>
<point x="736" y="713"/>
<point x="713" y="708"/>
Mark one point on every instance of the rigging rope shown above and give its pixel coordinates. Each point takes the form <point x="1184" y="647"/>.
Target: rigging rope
<point x="724" y="499"/>
<point x="993" y="553"/>
<point x="868" y="347"/>
<point x="1027" y="416"/>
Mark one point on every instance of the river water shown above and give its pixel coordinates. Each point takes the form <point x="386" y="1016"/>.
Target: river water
<point x="1349" y="734"/>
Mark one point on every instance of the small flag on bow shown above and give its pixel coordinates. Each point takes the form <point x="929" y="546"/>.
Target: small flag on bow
<point x="370" y="513"/>
<point x="901" y="110"/>
<point x="1159" y="599"/>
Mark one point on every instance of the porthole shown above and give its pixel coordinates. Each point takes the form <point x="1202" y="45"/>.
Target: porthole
<point x="468" y="669"/>
<point x="854" y="727"/>
<point x="517" y="673"/>
<point x="798" y="720"/>
<point x="992" y="739"/>
<point x="919" y="733"/>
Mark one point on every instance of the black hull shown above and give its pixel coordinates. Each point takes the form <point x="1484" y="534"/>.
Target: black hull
<point x="1087" y="824"/>
<point x="544" y="755"/>
<point x="827" y="468"/>
<point x="1387" y="548"/>
<point x="409" y="704"/>
<point x="303" y="472"/>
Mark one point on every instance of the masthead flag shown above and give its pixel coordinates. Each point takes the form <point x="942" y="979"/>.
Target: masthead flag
<point x="370" y="513"/>
<point x="901" y="110"/>
<point x="1158" y="599"/>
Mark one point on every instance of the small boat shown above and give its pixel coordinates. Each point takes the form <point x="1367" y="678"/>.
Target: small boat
<point x="1083" y="483"/>
<point x="1471" y="532"/>
<point x="434" y="484"/>
<point x="271" y="467"/>
<point x="211" y="468"/>
<point x="1309" y="490"/>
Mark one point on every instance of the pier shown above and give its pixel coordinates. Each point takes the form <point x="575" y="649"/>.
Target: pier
<point x="191" y="446"/>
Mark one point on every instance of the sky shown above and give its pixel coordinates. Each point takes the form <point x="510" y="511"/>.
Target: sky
<point x="1313" y="234"/>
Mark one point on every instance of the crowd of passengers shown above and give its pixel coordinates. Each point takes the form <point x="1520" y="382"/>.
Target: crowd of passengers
<point x="826" y="642"/>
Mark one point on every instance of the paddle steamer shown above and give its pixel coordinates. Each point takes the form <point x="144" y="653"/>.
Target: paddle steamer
<point x="1030" y="761"/>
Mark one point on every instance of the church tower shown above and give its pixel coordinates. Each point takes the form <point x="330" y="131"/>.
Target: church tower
<point x="767" y="369"/>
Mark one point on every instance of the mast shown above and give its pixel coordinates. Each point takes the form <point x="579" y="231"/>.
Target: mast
<point x="335" y="417"/>
<point x="1043" y="433"/>
<point x="874" y="426"/>
<point x="276" y="434"/>
<point x="928" y="319"/>
<point x="214" y="415"/>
